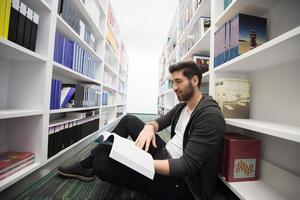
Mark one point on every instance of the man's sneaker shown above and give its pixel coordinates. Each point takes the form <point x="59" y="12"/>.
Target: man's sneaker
<point x="76" y="171"/>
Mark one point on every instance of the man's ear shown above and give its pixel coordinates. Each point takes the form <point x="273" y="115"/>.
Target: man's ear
<point x="195" y="80"/>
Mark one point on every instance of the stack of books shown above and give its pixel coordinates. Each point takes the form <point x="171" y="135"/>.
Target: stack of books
<point x="12" y="162"/>
<point x="18" y="23"/>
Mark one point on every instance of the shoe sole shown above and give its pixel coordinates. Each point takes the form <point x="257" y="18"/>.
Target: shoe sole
<point x="82" y="178"/>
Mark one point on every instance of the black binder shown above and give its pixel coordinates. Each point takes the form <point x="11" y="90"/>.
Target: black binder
<point x="27" y="31"/>
<point x="21" y="24"/>
<point x="13" y="23"/>
<point x="34" y="30"/>
<point x="51" y="145"/>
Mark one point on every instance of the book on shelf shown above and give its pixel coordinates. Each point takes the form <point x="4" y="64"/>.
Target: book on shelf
<point x="107" y="98"/>
<point x="126" y="152"/>
<point x="12" y="161"/>
<point x="56" y="86"/>
<point x="242" y="159"/>
<point x="67" y="94"/>
<point x="2" y="17"/>
<point x="5" y="8"/>
<point x="34" y="31"/>
<point x="13" y="22"/>
<point x="69" y="13"/>
<point x="237" y="36"/>
<point x="87" y="95"/>
<point x="233" y="97"/>
<point x="28" y="27"/>
<point x="202" y="62"/>
<point x="21" y="24"/>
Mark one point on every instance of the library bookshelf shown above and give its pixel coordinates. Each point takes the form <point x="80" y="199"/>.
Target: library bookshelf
<point x="25" y="80"/>
<point x="272" y="69"/>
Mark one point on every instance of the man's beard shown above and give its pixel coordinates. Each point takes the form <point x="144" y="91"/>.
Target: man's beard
<point x="186" y="94"/>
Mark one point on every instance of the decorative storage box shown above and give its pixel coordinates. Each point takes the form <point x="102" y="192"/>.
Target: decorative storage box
<point x="233" y="97"/>
<point x="242" y="159"/>
<point x="227" y="135"/>
<point x="237" y="36"/>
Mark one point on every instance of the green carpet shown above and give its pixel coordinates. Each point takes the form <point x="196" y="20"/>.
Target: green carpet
<point x="54" y="187"/>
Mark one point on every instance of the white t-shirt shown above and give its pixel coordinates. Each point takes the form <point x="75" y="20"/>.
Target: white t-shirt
<point x="174" y="146"/>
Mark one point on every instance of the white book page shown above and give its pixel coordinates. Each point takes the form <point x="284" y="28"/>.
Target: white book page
<point x="125" y="152"/>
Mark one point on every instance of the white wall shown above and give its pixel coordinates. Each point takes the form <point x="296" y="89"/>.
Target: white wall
<point x="144" y="25"/>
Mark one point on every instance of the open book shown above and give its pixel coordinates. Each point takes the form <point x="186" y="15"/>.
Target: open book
<point x="125" y="152"/>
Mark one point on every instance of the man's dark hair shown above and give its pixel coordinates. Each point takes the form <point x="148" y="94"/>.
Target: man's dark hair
<point x="189" y="68"/>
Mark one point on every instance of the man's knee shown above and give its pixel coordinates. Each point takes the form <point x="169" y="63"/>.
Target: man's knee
<point x="129" y="117"/>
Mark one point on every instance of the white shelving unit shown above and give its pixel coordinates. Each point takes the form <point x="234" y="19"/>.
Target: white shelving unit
<point x="273" y="71"/>
<point x="25" y="81"/>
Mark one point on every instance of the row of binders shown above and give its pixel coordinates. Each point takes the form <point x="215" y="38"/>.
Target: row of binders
<point x="18" y="23"/>
<point x="71" y="55"/>
<point x="69" y="95"/>
<point x="67" y="11"/>
<point x="237" y="36"/>
<point x="67" y="131"/>
<point x="240" y="158"/>
<point x="12" y="162"/>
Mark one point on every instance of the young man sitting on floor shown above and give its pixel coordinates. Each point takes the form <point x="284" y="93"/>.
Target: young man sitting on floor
<point x="186" y="166"/>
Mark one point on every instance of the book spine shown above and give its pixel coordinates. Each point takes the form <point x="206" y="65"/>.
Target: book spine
<point x="56" y="48"/>
<point x="27" y="30"/>
<point x="21" y="24"/>
<point x="7" y="18"/>
<point x="71" y="54"/>
<point x="2" y="17"/>
<point x="13" y="22"/>
<point x="59" y="93"/>
<point x="66" y="52"/>
<point x="34" y="30"/>
<point x="52" y="94"/>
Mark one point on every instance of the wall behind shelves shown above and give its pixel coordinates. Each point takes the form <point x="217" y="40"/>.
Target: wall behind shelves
<point x="149" y="22"/>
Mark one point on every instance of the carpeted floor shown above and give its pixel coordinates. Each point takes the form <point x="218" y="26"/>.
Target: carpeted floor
<point x="54" y="187"/>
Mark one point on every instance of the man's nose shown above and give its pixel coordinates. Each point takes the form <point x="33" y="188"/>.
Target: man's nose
<point x="174" y="87"/>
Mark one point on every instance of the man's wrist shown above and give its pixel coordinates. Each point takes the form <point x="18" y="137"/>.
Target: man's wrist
<point x="152" y="124"/>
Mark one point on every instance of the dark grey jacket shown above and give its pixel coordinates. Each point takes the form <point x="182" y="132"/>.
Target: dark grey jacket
<point x="202" y="143"/>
